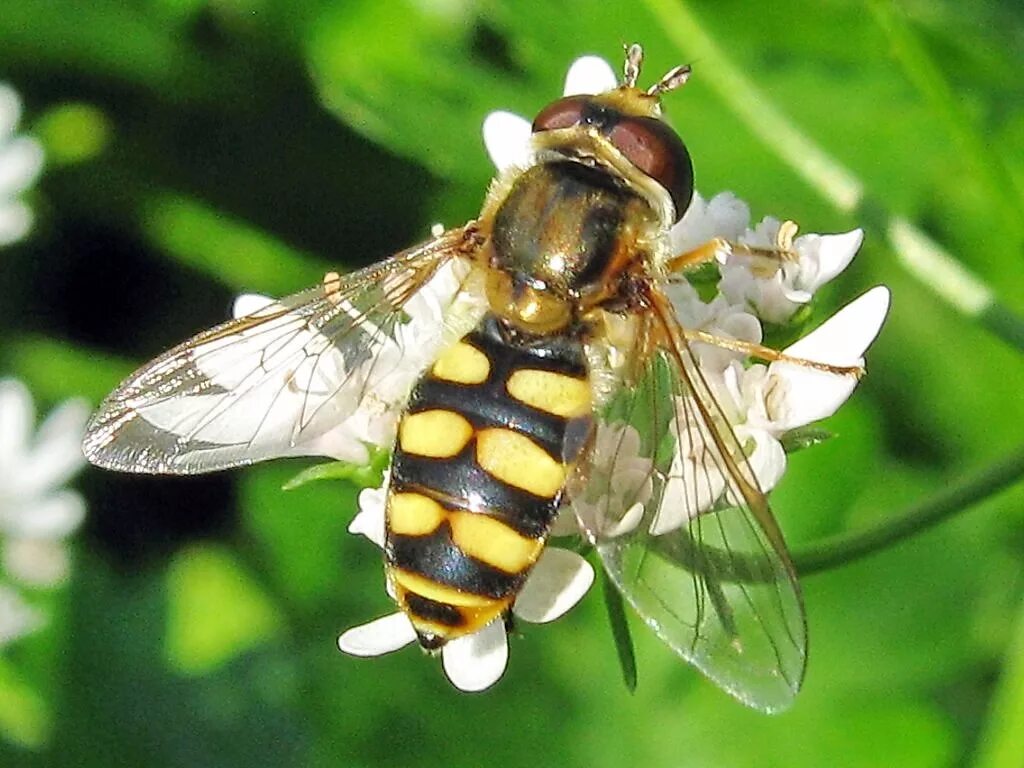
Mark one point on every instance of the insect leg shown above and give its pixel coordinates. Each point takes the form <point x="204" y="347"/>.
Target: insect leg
<point x="769" y="354"/>
<point x="766" y="259"/>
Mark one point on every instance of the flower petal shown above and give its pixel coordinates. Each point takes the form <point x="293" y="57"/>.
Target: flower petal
<point x="803" y="395"/>
<point x="724" y="215"/>
<point x="17" y="618"/>
<point x="15" y="222"/>
<point x="835" y="252"/>
<point x="57" y="452"/>
<point x="10" y="110"/>
<point x="51" y="517"/>
<point x="589" y="75"/>
<point x="36" y="562"/>
<point x="558" y="581"/>
<point x="249" y="303"/>
<point x="369" y="522"/>
<point x="843" y="338"/>
<point x="380" y="636"/>
<point x="21" y="160"/>
<point x="507" y="138"/>
<point x="768" y="460"/>
<point x="476" y="662"/>
<point x="16" y="415"/>
<point x="340" y="444"/>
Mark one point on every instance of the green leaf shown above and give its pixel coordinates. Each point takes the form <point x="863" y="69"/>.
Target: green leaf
<point x="805" y="437"/>
<point x="215" y="611"/>
<point x="987" y="169"/>
<point x="300" y="538"/>
<point x="104" y="39"/>
<point x="417" y="90"/>
<point x="367" y="475"/>
<point x="25" y="716"/>
<point x="425" y="85"/>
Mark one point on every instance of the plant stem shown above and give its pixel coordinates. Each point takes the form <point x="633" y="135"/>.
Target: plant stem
<point x="620" y="631"/>
<point x="844" y="548"/>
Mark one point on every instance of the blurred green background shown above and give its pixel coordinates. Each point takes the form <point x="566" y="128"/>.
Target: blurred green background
<point x="200" y="148"/>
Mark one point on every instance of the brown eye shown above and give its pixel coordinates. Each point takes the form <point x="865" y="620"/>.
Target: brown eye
<point x="563" y="113"/>
<point x="654" y="148"/>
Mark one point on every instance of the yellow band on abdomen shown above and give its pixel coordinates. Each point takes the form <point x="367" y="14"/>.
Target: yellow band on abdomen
<point x="462" y="363"/>
<point x="437" y="434"/>
<point x="491" y="541"/>
<point x="551" y="392"/>
<point x="439" y="593"/>
<point x="413" y="514"/>
<point x="517" y="460"/>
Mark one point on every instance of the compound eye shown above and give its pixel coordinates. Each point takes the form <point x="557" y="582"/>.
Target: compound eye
<point x="654" y="148"/>
<point x="563" y="113"/>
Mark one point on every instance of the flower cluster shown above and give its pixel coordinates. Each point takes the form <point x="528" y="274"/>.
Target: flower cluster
<point x="761" y="402"/>
<point x="21" y="159"/>
<point x="36" y="513"/>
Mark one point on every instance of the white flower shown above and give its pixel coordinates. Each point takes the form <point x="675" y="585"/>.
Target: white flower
<point x="36" y="513"/>
<point x="612" y="506"/>
<point x="797" y="395"/>
<point x="724" y="216"/>
<point x="775" y="296"/>
<point x="473" y="662"/>
<point x="21" y="159"/>
<point x="717" y="317"/>
<point x="763" y="403"/>
<point x="507" y="135"/>
<point x="17" y="618"/>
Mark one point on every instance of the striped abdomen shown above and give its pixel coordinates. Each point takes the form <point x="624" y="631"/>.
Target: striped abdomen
<point x="477" y="475"/>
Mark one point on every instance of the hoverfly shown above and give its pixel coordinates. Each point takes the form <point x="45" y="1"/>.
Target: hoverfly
<point x="557" y="342"/>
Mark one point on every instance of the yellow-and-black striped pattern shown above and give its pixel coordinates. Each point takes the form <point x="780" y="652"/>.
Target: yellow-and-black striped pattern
<point x="477" y="474"/>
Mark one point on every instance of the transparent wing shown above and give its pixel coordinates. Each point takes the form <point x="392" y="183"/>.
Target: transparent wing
<point x="669" y="499"/>
<point x="300" y="376"/>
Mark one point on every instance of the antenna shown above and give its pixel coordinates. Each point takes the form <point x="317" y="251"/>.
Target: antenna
<point x="634" y="59"/>
<point x="671" y="80"/>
